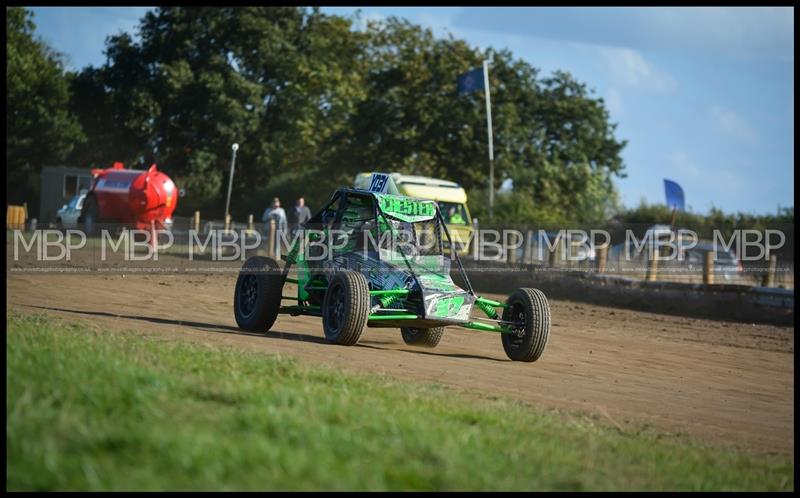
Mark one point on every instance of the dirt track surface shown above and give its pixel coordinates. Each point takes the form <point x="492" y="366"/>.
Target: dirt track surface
<point x="724" y="383"/>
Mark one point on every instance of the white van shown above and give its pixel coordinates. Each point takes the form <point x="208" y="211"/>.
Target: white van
<point x="451" y="197"/>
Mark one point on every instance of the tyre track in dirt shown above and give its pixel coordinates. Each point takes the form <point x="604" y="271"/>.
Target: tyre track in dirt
<point x="723" y="383"/>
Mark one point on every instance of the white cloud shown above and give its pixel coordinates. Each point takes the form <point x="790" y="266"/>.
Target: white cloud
<point x="629" y="68"/>
<point x="731" y="31"/>
<point x="748" y="32"/>
<point x="734" y="125"/>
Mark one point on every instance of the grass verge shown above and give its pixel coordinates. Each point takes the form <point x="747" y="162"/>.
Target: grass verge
<point x="96" y="410"/>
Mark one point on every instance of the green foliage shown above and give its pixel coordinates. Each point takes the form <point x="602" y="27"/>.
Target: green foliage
<point x="91" y="409"/>
<point x="278" y="81"/>
<point x="313" y="102"/>
<point x="40" y="130"/>
<point x="704" y="225"/>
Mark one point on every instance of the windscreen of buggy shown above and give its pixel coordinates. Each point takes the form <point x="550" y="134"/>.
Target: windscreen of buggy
<point x="419" y="243"/>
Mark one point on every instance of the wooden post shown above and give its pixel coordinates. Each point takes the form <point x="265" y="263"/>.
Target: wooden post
<point x="602" y="258"/>
<point x="527" y="256"/>
<point x="511" y="254"/>
<point x="708" y="268"/>
<point x="272" y="241"/>
<point x="769" y="278"/>
<point x="652" y="265"/>
<point x="554" y="254"/>
<point x="250" y="223"/>
<point x="197" y="221"/>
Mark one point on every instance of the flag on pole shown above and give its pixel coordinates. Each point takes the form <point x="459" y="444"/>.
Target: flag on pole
<point x="478" y="79"/>
<point x="470" y="81"/>
<point x="674" y="192"/>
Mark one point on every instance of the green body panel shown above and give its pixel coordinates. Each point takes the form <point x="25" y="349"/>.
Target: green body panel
<point x="406" y="208"/>
<point x="448" y="306"/>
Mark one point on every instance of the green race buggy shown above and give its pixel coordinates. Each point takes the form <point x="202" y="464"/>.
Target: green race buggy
<point x="371" y="258"/>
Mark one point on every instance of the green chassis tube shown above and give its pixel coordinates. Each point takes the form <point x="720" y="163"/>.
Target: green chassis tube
<point x="482" y="303"/>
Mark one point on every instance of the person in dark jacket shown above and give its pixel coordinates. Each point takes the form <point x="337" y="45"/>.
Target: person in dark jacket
<point x="298" y="215"/>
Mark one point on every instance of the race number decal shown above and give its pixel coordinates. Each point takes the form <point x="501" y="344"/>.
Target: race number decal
<point x="379" y="183"/>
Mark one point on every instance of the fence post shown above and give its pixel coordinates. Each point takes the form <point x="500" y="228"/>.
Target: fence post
<point x="527" y="257"/>
<point x="272" y="241"/>
<point x="511" y="252"/>
<point x="769" y="278"/>
<point x="602" y="258"/>
<point x="708" y="268"/>
<point x="197" y="221"/>
<point x="652" y="264"/>
<point x="554" y="254"/>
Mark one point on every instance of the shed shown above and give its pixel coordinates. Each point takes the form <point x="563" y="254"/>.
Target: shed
<point x="59" y="185"/>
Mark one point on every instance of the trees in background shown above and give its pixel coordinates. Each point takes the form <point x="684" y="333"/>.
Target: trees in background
<point x="40" y="129"/>
<point x="645" y="215"/>
<point x="311" y="101"/>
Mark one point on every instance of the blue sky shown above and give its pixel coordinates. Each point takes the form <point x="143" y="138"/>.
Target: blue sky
<point x="704" y="96"/>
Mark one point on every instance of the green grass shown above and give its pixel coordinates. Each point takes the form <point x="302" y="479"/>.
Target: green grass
<point x="98" y="410"/>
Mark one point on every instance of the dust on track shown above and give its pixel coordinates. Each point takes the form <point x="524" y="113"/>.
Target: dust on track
<point x="718" y="382"/>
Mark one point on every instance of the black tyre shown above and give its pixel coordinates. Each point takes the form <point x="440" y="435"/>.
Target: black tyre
<point x="345" y="309"/>
<point x="257" y="298"/>
<point x="427" y="338"/>
<point x="529" y="315"/>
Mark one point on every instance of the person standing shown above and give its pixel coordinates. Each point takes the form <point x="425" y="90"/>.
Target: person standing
<point x="274" y="212"/>
<point x="299" y="214"/>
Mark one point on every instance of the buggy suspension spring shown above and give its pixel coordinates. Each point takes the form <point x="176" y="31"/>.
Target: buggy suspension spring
<point x="387" y="301"/>
<point x="487" y="308"/>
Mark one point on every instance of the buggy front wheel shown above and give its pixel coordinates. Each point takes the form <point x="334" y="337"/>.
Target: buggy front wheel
<point x="345" y="309"/>
<point x="528" y="315"/>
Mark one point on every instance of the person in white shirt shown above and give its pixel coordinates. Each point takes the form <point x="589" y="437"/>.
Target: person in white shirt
<point x="275" y="212"/>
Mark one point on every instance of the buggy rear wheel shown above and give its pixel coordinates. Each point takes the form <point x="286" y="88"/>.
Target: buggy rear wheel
<point x="528" y="314"/>
<point x="257" y="298"/>
<point x="427" y="338"/>
<point x="345" y="309"/>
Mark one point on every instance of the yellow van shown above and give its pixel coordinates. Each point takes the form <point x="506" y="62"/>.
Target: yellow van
<point x="450" y="196"/>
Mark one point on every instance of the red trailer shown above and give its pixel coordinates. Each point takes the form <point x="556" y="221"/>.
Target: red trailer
<point x="141" y="199"/>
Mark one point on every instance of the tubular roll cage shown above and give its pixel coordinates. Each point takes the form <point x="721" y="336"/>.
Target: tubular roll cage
<point x="385" y="297"/>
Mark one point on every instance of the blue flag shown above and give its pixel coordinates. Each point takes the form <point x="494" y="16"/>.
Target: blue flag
<point x="674" y="193"/>
<point x="470" y="81"/>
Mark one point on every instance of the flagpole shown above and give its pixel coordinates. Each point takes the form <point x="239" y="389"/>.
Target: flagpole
<point x="489" y="131"/>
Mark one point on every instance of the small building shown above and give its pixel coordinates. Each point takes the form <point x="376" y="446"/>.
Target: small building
<point x="59" y="185"/>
